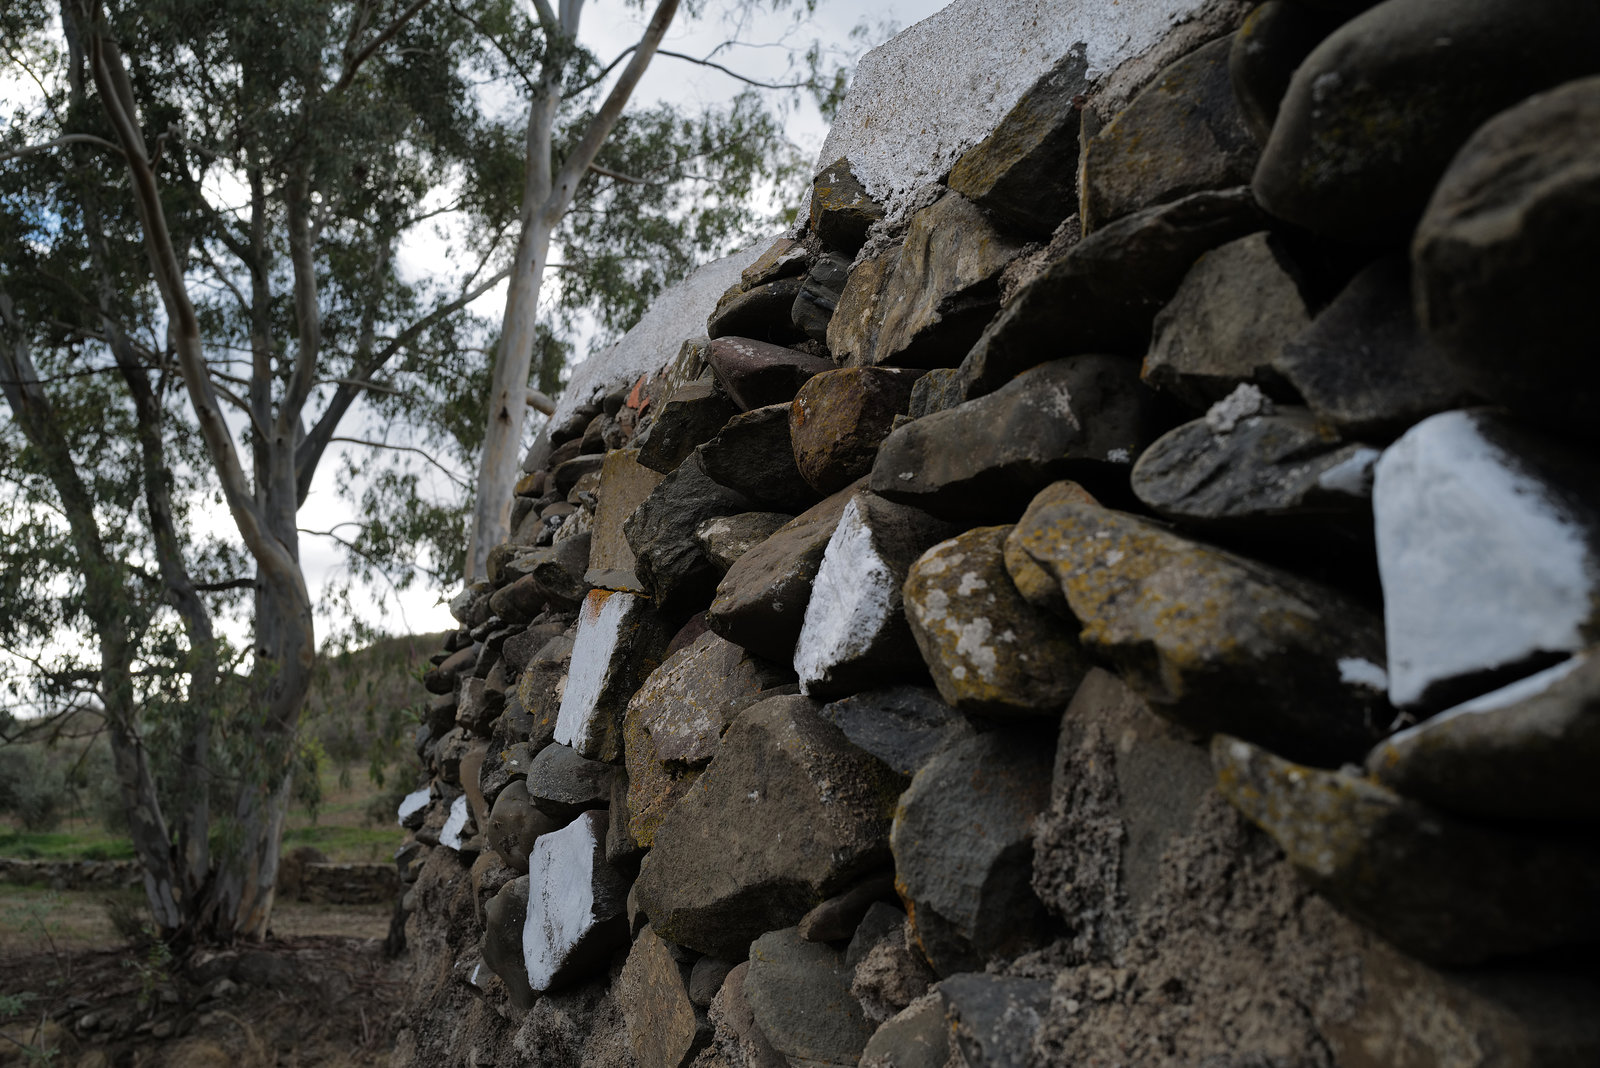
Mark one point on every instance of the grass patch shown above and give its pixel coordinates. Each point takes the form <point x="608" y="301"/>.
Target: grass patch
<point x="85" y="843"/>
<point x="346" y="844"/>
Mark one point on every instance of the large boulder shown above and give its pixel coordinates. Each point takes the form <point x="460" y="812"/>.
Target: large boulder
<point x="1376" y="111"/>
<point x="761" y="601"/>
<point x="1447" y="891"/>
<point x="970" y="895"/>
<point x="1080" y="417"/>
<point x="989" y="651"/>
<point x="1525" y="751"/>
<point x="1102" y="295"/>
<point x="577" y="914"/>
<point x="1489" y="552"/>
<point x="1183" y="134"/>
<point x="855" y="632"/>
<point x="788" y="814"/>
<point x="1213" y="640"/>
<point x="1504" y="272"/>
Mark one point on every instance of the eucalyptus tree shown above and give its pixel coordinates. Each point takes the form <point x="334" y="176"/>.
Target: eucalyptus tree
<point x="211" y="202"/>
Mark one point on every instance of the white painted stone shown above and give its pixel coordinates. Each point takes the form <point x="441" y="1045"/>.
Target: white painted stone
<point x="680" y="312"/>
<point x="413" y="802"/>
<point x="571" y="893"/>
<point x="1483" y="564"/>
<point x="601" y="622"/>
<point x="936" y="89"/>
<point x="1351" y="476"/>
<point x="450" y="833"/>
<point x="853" y="597"/>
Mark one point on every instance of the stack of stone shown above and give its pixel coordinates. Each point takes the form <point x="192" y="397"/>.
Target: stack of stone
<point x="1136" y="607"/>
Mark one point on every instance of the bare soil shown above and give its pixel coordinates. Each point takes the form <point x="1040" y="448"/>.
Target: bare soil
<point x="319" y="992"/>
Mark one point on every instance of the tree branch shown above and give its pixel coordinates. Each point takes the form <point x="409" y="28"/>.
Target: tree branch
<point x="451" y="475"/>
<point x="65" y="139"/>
<point x="376" y="43"/>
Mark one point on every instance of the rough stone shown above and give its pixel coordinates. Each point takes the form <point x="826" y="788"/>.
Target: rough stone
<point x="853" y="330"/>
<point x="855" y="632"/>
<point x="626" y="484"/>
<point x="663" y="1027"/>
<point x="881" y="922"/>
<point x="819" y="296"/>
<point x="1082" y="417"/>
<point x="619" y="642"/>
<point x="839" y="417"/>
<point x="515" y="824"/>
<point x="1229" y="321"/>
<point x="1036" y="584"/>
<point x="1489" y="552"/>
<point x="944" y="288"/>
<point x="889" y="976"/>
<point x="1286" y="467"/>
<point x="917" y="1037"/>
<point x="706" y="978"/>
<point x="1274" y="39"/>
<point x="754" y="456"/>
<point x="726" y="538"/>
<point x="784" y="258"/>
<point x="1505" y="277"/>
<point x="1103" y="294"/>
<point x="758" y="314"/>
<point x="576" y="905"/>
<point x="661" y="534"/>
<point x="989" y="651"/>
<point x="561" y="784"/>
<point x="841" y="208"/>
<point x="1025" y="171"/>
<point x="903" y="726"/>
<point x="503" y="919"/>
<point x="799" y="992"/>
<point x="836" y="919"/>
<point x="1446" y="891"/>
<point x="738" y="1038"/>
<point x="761" y="602"/>
<point x="936" y="391"/>
<point x="1364" y="366"/>
<point x="1525" y="751"/>
<point x="787" y="815"/>
<point x="756" y="373"/>
<point x="969" y="894"/>
<point x="691" y="416"/>
<point x="1183" y="134"/>
<point x="1213" y="640"/>
<point x="1377" y="110"/>
<point x="675" y="721"/>
<point x="995" y="1017"/>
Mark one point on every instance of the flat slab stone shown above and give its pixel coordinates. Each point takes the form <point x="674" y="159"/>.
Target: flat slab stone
<point x="1489" y="552"/>
<point x="989" y="651"/>
<point x="855" y="632"/>
<point x="1471" y="892"/>
<point x="757" y="373"/>
<point x="726" y="538"/>
<point x="1217" y="641"/>
<point x="1081" y="417"/>
<point x="788" y="814"/>
<point x="1525" y="751"/>
<point x="618" y="643"/>
<point x="625" y="483"/>
<point x="753" y="455"/>
<point x="690" y="416"/>
<point x="970" y="893"/>
<point x="664" y="1029"/>
<point x="577" y="915"/>
<point x="799" y="992"/>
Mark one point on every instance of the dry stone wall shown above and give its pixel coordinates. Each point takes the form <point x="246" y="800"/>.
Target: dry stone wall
<point x="1118" y="585"/>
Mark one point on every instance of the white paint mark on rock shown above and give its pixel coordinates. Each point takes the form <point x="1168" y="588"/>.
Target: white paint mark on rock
<point x="1245" y="402"/>
<point x="413" y="802"/>
<point x="852" y="598"/>
<point x="600" y="623"/>
<point x="1358" y="671"/>
<point x="450" y="833"/>
<point x="1352" y="475"/>
<point x="561" y="901"/>
<point x="1484" y="565"/>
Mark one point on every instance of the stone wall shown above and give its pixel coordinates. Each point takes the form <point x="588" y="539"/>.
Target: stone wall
<point x="1116" y="587"/>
